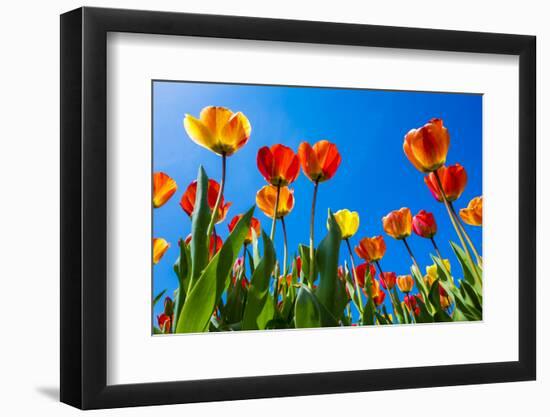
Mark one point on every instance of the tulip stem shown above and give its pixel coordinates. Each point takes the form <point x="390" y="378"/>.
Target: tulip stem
<point x="476" y="254"/>
<point x="218" y="199"/>
<point x="455" y="225"/>
<point x="393" y="302"/>
<point x="411" y="254"/>
<point x="354" y="273"/>
<point x="285" y="247"/>
<point x="215" y="247"/>
<point x="311" y="235"/>
<point x="245" y="252"/>
<point x="436" y="248"/>
<point x="272" y="234"/>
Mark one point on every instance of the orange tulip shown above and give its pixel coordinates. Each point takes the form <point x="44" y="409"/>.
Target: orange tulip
<point x="214" y="244"/>
<point x="371" y="249"/>
<point x="398" y="223"/>
<point x="453" y="179"/>
<point x="405" y="283"/>
<point x="254" y="225"/>
<point x="265" y="200"/>
<point x="473" y="214"/>
<point x="187" y="202"/>
<point x="378" y="299"/>
<point x="279" y="165"/>
<point x="320" y="161"/>
<point x="388" y="280"/>
<point x="160" y="246"/>
<point x="164" y="187"/>
<point x="218" y="129"/>
<point x="427" y="146"/>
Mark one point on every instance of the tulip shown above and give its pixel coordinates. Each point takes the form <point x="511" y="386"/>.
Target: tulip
<point x="447" y="184"/>
<point x="160" y="246"/>
<point x="165" y="323"/>
<point x="168" y="306"/>
<point x="412" y="304"/>
<point x="218" y="129"/>
<point x="398" y="223"/>
<point x="320" y="161"/>
<point x="431" y="272"/>
<point x="214" y="247"/>
<point x="424" y="224"/>
<point x="164" y="187"/>
<point x="405" y="283"/>
<point x="187" y="201"/>
<point x="254" y="226"/>
<point x="388" y="280"/>
<point x="444" y="299"/>
<point x="473" y="214"/>
<point x="348" y="221"/>
<point x="279" y="165"/>
<point x="298" y="266"/>
<point x="361" y="272"/>
<point x="427" y="146"/>
<point x="265" y="200"/>
<point x="453" y="181"/>
<point x="371" y="249"/>
<point x="378" y="299"/>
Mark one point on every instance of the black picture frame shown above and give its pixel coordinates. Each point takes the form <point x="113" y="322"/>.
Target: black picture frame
<point x="84" y="207"/>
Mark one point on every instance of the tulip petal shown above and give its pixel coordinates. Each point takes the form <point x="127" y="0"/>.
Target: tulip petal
<point x="164" y="188"/>
<point x="199" y="132"/>
<point x="235" y="133"/>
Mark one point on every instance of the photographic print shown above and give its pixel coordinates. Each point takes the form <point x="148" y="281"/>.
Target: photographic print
<point x="285" y="207"/>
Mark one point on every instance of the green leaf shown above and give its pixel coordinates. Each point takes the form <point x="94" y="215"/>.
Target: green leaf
<point x="469" y="273"/>
<point x="309" y="312"/>
<point x="434" y="296"/>
<point x="441" y="316"/>
<point x="397" y="307"/>
<point x="304" y="256"/>
<point x="423" y="289"/>
<point x="259" y="309"/>
<point x="205" y="294"/>
<point x="369" y="310"/>
<point x="473" y="297"/>
<point x="158" y="297"/>
<point x="182" y="269"/>
<point x="424" y="316"/>
<point x="199" y="226"/>
<point x="327" y="264"/>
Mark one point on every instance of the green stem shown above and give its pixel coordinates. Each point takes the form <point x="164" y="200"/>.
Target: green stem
<point x="455" y="225"/>
<point x="285" y="247"/>
<point x="218" y="200"/>
<point x="272" y="234"/>
<point x="411" y="255"/>
<point x="436" y="249"/>
<point x="470" y="243"/>
<point x="311" y="234"/>
<point x="393" y="302"/>
<point x="354" y="274"/>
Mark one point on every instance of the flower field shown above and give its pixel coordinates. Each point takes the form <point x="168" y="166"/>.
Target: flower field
<point x="240" y="282"/>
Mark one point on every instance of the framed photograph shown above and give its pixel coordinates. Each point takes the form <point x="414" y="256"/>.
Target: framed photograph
<point x="259" y="208"/>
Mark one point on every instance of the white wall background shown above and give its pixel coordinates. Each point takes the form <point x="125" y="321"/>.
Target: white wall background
<point x="29" y="180"/>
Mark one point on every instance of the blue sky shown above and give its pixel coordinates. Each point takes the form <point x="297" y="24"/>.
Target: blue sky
<point x="374" y="177"/>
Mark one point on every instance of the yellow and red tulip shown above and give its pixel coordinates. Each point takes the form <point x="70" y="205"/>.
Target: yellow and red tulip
<point x="320" y="161"/>
<point x="164" y="188"/>
<point x="473" y="214"/>
<point x="405" y="283"/>
<point x="348" y="221"/>
<point x="371" y="249"/>
<point x="187" y="201"/>
<point x="398" y="223"/>
<point x="388" y="280"/>
<point x="427" y="146"/>
<point x="453" y="180"/>
<point x="218" y="129"/>
<point x="160" y="246"/>
<point x="424" y="224"/>
<point x="254" y="225"/>
<point x="279" y="165"/>
<point x="265" y="200"/>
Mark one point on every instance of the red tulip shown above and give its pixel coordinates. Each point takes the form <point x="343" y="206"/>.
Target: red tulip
<point x="453" y="180"/>
<point x="279" y="165"/>
<point x="254" y="225"/>
<point x="412" y="304"/>
<point x="165" y="323"/>
<point x="361" y="271"/>
<point x="388" y="280"/>
<point x="424" y="224"/>
<point x="379" y="298"/>
<point x="217" y="244"/>
<point x="187" y="201"/>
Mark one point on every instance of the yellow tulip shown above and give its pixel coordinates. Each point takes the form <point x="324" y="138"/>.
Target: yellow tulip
<point x="218" y="129"/>
<point x="473" y="214"/>
<point x="348" y="221"/>
<point x="405" y="283"/>
<point x="431" y="272"/>
<point x="160" y="246"/>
